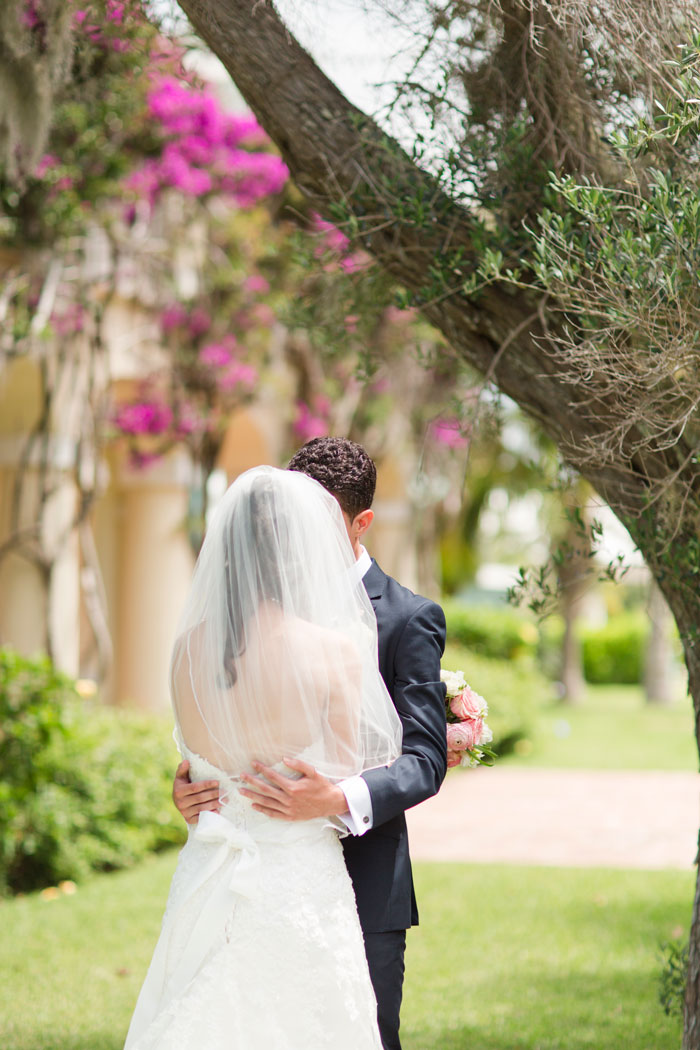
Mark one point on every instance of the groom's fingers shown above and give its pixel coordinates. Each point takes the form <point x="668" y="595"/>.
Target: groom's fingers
<point x="273" y="805"/>
<point x="301" y="767"/>
<point x="279" y="779"/>
<point x="273" y="785"/>
<point x="192" y="799"/>
<point x="271" y="795"/>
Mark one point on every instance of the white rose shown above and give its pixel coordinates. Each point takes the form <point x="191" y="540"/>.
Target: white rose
<point x="454" y="680"/>
<point x="471" y="759"/>
<point x="486" y="735"/>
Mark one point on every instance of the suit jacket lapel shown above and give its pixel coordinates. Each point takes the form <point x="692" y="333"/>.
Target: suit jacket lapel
<point x="375" y="582"/>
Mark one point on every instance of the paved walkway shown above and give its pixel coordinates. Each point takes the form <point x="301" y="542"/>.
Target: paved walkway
<point x="561" y="818"/>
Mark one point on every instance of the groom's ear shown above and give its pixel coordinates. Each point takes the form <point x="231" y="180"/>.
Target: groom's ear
<point x="362" y="521"/>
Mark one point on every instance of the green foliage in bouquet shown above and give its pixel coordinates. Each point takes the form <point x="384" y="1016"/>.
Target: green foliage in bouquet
<point x="514" y="691"/>
<point x="82" y="788"/>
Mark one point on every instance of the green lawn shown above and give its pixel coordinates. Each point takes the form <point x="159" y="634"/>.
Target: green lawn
<point x="506" y="958"/>
<point x="510" y="958"/>
<point x="612" y="729"/>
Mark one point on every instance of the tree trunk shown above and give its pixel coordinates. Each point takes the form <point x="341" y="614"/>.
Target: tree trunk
<point x="337" y="155"/>
<point x="658" y="664"/>
<point x="572" y="679"/>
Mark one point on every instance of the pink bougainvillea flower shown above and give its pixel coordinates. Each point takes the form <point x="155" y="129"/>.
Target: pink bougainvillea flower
<point x="140" y="460"/>
<point x="204" y="151"/>
<point x="307" y="424"/>
<point x="256" y="284"/>
<point x="173" y="317"/>
<point x="144" y="417"/>
<point x="332" y="239"/>
<point x="216" y="355"/>
<point x="350" y="322"/>
<point x="30" y="16"/>
<point x="238" y="374"/>
<point x="115" y="11"/>
<point x="71" y="320"/>
<point x="46" y="163"/>
<point x="355" y="262"/>
<point x="448" y="432"/>
<point x="187" y="421"/>
<point x="198" y="322"/>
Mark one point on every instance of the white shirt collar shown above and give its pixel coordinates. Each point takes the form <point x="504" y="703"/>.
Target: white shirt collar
<point x="363" y="563"/>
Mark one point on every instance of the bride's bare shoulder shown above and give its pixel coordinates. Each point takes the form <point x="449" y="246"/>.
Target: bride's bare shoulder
<point x="324" y="640"/>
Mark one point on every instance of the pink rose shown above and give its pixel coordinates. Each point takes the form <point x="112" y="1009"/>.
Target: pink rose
<point x="454" y="758"/>
<point x="463" y="736"/>
<point x="468" y="704"/>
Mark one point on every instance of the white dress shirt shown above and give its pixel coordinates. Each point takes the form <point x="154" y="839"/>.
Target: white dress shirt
<point x="358" y="819"/>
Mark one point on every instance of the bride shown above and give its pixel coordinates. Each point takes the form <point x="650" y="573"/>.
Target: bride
<point x="276" y="657"/>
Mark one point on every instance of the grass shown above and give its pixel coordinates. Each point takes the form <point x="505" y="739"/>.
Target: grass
<point x="612" y="729"/>
<point x="506" y="958"/>
<point x="511" y="958"/>
<point x="72" y="967"/>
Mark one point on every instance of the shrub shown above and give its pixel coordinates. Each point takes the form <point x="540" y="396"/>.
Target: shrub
<point x="615" y="652"/>
<point x="82" y="788"/>
<point x="499" y="633"/>
<point x="674" y="976"/>
<point x="515" y="693"/>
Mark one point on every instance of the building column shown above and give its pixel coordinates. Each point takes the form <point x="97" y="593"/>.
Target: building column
<point x="152" y="576"/>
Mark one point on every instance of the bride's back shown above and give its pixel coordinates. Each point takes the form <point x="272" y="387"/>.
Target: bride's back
<point x="276" y="653"/>
<point x="295" y="688"/>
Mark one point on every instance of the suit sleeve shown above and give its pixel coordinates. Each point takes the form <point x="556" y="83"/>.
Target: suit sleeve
<point x="419" y="696"/>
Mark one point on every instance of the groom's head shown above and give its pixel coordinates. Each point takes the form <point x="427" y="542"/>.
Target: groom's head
<point x="345" y="469"/>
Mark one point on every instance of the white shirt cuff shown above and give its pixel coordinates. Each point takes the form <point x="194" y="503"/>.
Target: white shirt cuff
<point x="359" y="817"/>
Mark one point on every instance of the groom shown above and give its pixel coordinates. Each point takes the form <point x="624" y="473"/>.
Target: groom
<point x="411" y="637"/>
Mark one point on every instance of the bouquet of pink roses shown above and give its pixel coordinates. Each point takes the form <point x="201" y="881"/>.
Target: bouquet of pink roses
<point x="468" y="736"/>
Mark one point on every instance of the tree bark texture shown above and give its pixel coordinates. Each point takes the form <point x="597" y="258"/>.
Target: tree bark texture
<point x="336" y="154"/>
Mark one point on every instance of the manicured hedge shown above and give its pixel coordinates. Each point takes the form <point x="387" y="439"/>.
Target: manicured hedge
<point x="615" y="652"/>
<point x="499" y="632"/>
<point x="82" y="788"/>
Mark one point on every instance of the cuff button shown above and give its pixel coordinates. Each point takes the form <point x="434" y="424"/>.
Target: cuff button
<point x="365" y="820"/>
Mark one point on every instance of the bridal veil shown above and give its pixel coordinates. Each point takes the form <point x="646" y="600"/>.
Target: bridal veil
<point x="276" y="654"/>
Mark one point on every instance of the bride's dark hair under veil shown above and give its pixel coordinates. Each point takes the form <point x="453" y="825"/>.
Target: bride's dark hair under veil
<point x="276" y="654"/>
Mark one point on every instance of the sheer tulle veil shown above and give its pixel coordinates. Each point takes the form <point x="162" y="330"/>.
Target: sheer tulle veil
<point x="276" y="652"/>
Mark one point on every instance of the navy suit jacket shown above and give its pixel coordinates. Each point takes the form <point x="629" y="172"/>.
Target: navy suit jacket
<point x="411" y="637"/>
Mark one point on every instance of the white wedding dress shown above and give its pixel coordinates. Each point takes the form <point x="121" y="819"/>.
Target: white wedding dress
<point x="261" y="947"/>
<point x="275" y="655"/>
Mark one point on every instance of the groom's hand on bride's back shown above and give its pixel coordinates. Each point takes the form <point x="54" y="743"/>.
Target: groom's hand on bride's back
<point x="192" y="799"/>
<point x="283" y="798"/>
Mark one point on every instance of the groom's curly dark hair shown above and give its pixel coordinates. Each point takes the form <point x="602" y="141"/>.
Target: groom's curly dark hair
<point x="343" y="467"/>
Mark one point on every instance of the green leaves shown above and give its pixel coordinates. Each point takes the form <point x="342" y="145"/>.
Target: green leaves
<point x="81" y="788"/>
